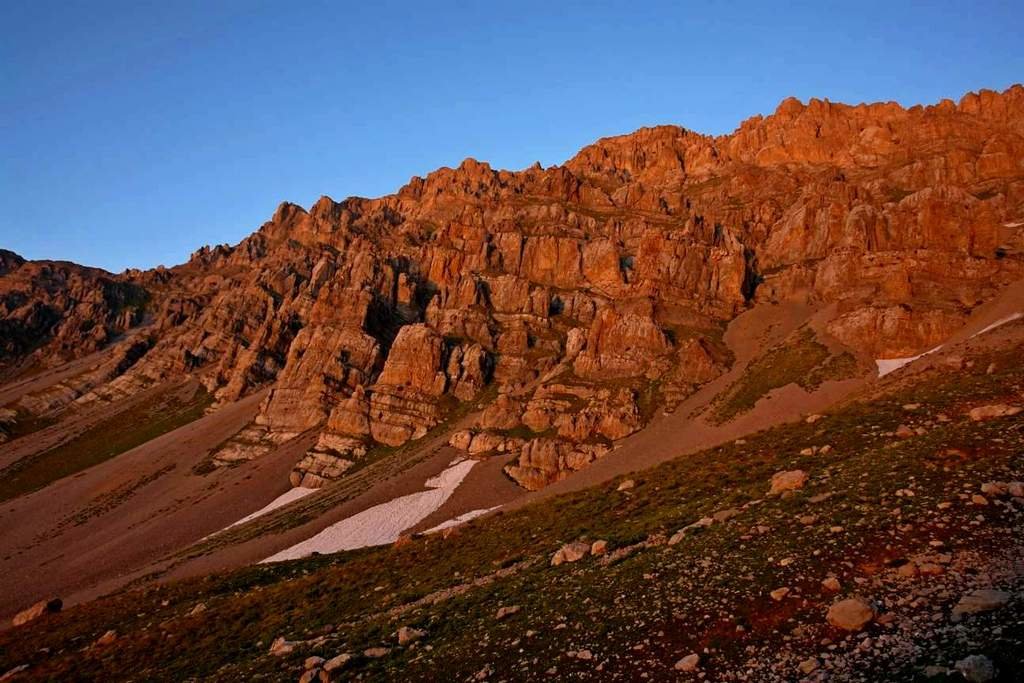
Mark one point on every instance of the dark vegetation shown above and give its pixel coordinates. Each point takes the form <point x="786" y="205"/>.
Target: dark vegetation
<point x="671" y="600"/>
<point x="800" y="359"/>
<point x="121" y="432"/>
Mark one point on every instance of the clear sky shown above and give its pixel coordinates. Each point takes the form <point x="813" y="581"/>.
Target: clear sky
<point x="132" y="133"/>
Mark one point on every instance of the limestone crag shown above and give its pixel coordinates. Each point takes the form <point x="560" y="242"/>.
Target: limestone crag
<point x="581" y="295"/>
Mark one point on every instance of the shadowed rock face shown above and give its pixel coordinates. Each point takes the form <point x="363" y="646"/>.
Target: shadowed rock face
<point x="60" y="311"/>
<point x="570" y="289"/>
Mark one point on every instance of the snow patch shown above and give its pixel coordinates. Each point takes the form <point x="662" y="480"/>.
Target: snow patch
<point x="285" y="498"/>
<point x="461" y="519"/>
<point x="1001" y="321"/>
<point x="381" y="524"/>
<point x="887" y="365"/>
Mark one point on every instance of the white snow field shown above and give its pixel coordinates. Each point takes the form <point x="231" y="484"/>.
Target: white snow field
<point x="382" y="523"/>
<point x="461" y="519"/>
<point x="283" y="499"/>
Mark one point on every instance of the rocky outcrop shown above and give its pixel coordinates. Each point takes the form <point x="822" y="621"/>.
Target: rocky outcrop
<point x="543" y="461"/>
<point x="621" y="344"/>
<point x="403" y="401"/>
<point x="51" y="312"/>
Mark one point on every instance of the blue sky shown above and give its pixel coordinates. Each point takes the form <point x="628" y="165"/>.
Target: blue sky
<point x="132" y="133"/>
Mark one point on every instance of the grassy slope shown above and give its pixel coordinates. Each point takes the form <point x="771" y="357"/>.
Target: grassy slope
<point x="642" y="613"/>
<point x="800" y="359"/>
<point x="114" y="435"/>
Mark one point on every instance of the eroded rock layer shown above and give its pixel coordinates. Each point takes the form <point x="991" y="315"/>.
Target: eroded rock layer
<point x="583" y="294"/>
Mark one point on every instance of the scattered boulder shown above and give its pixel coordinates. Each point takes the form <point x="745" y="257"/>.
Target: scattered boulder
<point x="461" y="440"/>
<point x="545" y="460"/>
<point x="688" y="663"/>
<point x="37" y="610"/>
<point x="626" y="485"/>
<point x="312" y="662"/>
<point x="335" y="663"/>
<point x="681" y="534"/>
<point x="980" y="600"/>
<point x="408" y="635"/>
<point x="993" y="411"/>
<point x="570" y="552"/>
<point x="976" y="669"/>
<point x="485" y="442"/>
<point x="725" y="515"/>
<point x="832" y="584"/>
<point x="376" y="652"/>
<point x="506" y="612"/>
<point x="779" y="593"/>
<point x="808" y="666"/>
<point x="791" y="480"/>
<point x="851" y="614"/>
<point x="599" y="547"/>
<point x="281" y="647"/>
<point x="908" y="570"/>
<point x="998" y="489"/>
<point x="994" y="488"/>
<point x="107" y="638"/>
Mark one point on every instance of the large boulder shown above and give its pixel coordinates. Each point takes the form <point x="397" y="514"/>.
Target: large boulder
<point x="993" y="411"/>
<point x="980" y="600"/>
<point x="851" y="614"/>
<point x="37" y="610"/>
<point x="790" y="480"/>
<point x="570" y="552"/>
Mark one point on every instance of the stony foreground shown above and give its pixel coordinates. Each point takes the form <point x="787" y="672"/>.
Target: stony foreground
<point x="880" y="541"/>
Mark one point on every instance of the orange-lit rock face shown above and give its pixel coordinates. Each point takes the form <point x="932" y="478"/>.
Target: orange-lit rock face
<point x="372" y="318"/>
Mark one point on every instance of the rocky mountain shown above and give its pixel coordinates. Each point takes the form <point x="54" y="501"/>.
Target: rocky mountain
<point x="737" y="408"/>
<point x="573" y="300"/>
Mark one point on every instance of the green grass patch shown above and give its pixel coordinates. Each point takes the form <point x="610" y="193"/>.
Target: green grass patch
<point x="119" y="433"/>
<point x="838" y="367"/>
<point x="24" y="424"/>
<point x="790" y="362"/>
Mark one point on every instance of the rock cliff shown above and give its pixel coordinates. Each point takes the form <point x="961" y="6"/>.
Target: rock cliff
<point x="569" y="299"/>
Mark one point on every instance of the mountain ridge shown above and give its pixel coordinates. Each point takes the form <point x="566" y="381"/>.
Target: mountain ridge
<point x="616" y="268"/>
